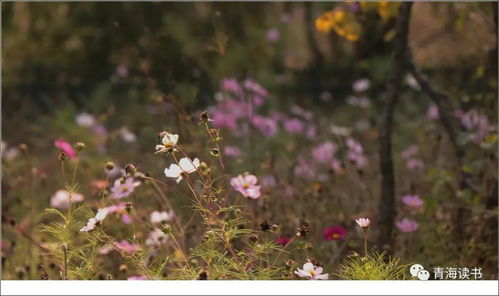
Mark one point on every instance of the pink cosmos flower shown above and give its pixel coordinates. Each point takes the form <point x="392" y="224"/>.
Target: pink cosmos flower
<point x="297" y="110"/>
<point x="246" y="185"/>
<point x="412" y="200"/>
<point x="272" y="35"/>
<point x="268" y="181"/>
<point x="359" y="160"/>
<point x="294" y="126"/>
<point x="304" y="168"/>
<point x="267" y="126"/>
<point x="61" y="199"/>
<point x="334" y="233"/>
<point x="477" y="123"/>
<point x="324" y="152"/>
<point x="407" y="225"/>
<point x="432" y="112"/>
<point x="255" y="87"/>
<point x="223" y="120"/>
<point x="137" y="278"/>
<point x="232" y="151"/>
<point x="311" y="132"/>
<point x="311" y="272"/>
<point x="121" y="190"/>
<point x="65" y="147"/>
<point x="337" y="167"/>
<point x="231" y="85"/>
<point x="127" y="247"/>
<point x="415" y="164"/>
<point x="409" y="152"/>
<point x="283" y="241"/>
<point x="363" y="222"/>
<point x="120" y="209"/>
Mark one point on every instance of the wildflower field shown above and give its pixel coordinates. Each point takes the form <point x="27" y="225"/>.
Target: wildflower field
<point x="250" y="141"/>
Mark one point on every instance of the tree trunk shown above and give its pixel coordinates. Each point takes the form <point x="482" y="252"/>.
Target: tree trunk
<point x="396" y="74"/>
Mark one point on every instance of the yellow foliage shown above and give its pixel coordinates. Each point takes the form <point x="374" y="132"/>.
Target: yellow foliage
<point x="385" y="9"/>
<point x="342" y="22"/>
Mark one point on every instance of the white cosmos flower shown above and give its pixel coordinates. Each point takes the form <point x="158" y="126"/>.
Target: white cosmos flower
<point x="311" y="272"/>
<point x="186" y="166"/>
<point x="168" y="141"/>
<point x="363" y="222"/>
<point x="158" y="217"/>
<point x="85" y="120"/>
<point x="92" y="222"/>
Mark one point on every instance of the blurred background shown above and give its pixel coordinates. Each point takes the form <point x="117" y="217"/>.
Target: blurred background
<point x="113" y="75"/>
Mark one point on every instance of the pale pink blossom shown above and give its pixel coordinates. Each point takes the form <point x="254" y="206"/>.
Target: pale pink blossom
<point x="267" y="126"/>
<point x="123" y="188"/>
<point x="409" y="152"/>
<point x="137" y="278"/>
<point x="232" y="151"/>
<point x="311" y="272"/>
<point x="414" y="164"/>
<point x="246" y="185"/>
<point x="363" y="222"/>
<point x="62" y="198"/>
<point x="127" y="247"/>
<point x="361" y="85"/>
<point x="412" y="200"/>
<point x="324" y="152"/>
<point x="407" y="225"/>
<point x="432" y="112"/>
<point x="272" y="35"/>
<point x="255" y="87"/>
<point x="304" y="168"/>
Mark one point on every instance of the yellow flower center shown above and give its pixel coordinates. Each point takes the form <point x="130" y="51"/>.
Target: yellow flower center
<point x="246" y="185"/>
<point x="335" y="236"/>
<point x="312" y="273"/>
<point x="124" y="189"/>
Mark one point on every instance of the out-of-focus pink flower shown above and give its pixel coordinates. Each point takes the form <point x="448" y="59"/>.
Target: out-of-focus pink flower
<point x="294" y="126"/>
<point x="127" y="247"/>
<point x="272" y="35"/>
<point x="122" y="71"/>
<point x="156" y="238"/>
<point x="409" y="152"/>
<point x="361" y="102"/>
<point x="337" y="167"/>
<point x="412" y="200"/>
<point x="311" y="272"/>
<point x="232" y="86"/>
<point x="414" y="164"/>
<point x="224" y="120"/>
<point x="354" y="146"/>
<point x="99" y="130"/>
<point x="137" y="278"/>
<point x="324" y="152"/>
<point x="268" y="181"/>
<point x="363" y="222"/>
<point x="289" y="191"/>
<point x="432" y="112"/>
<point x="306" y="114"/>
<point x="277" y="115"/>
<point x="458" y="113"/>
<point x="334" y="233"/>
<point x="66" y="147"/>
<point x="311" y="132"/>
<point x="246" y="185"/>
<point x="232" y="151"/>
<point x="267" y="126"/>
<point x="361" y="85"/>
<point x="255" y="87"/>
<point x="61" y="199"/>
<point x="407" y="225"/>
<point x="123" y="189"/>
<point x="283" y="241"/>
<point x="355" y="153"/>
<point x="304" y="168"/>
<point x="477" y="123"/>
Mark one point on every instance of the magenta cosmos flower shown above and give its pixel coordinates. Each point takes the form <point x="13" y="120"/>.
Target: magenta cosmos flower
<point x="412" y="200"/>
<point x="65" y="147"/>
<point x="123" y="189"/>
<point x="283" y="241"/>
<point x="334" y="233"/>
<point x="324" y="152"/>
<point x="246" y="185"/>
<point x="407" y="225"/>
<point x="294" y="126"/>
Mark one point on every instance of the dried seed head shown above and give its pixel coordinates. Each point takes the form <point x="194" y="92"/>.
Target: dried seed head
<point x="62" y="156"/>
<point x="123" y="268"/>
<point x="204" y="117"/>
<point x="128" y="207"/>
<point x="214" y="133"/>
<point x="264" y="226"/>
<point x="203" y="275"/>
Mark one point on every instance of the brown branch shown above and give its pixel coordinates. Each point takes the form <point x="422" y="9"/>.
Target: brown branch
<point x="393" y="84"/>
<point x="449" y="123"/>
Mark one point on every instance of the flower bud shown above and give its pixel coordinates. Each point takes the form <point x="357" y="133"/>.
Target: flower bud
<point x="62" y="156"/>
<point x="204" y="117"/>
<point x="128" y="207"/>
<point x="130" y="169"/>
<point x="80" y="146"/>
<point x="109" y="165"/>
